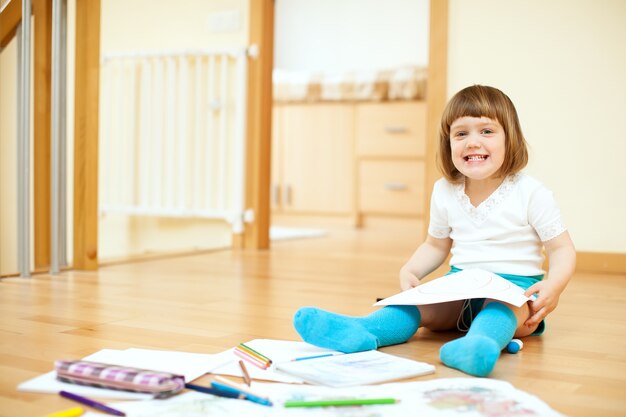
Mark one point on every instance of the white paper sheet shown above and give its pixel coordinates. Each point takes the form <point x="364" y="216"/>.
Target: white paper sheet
<point x="191" y="365"/>
<point x="278" y="351"/>
<point x="448" y="397"/>
<point x="463" y="285"/>
<point x="359" y="368"/>
<point x="48" y="384"/>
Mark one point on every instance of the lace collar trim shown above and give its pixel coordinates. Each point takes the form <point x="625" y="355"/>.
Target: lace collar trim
<point x="481" y="213"/>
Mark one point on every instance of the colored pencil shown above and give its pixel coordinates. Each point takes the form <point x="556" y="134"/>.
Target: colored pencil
<point x="251" y="354"/>
<point x="72" y="412"/>
<point x="251" y="359"/>
<point x="341" y="402"/>
<point x="91" y="403"/>
<point x="221" y="390"/>
<point x="304" y="358"/>
<point x="242" y="394"/>
<point x="249" y="349"/>
<point x="211" y="390"/>
<point x="246" y="375"/>
<point x="233" y="384"/>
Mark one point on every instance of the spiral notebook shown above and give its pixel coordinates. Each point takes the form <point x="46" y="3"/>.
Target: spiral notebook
<point x="362" y="368"/>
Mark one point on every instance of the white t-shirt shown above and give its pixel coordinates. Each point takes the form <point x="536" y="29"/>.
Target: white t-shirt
<point x="504" y="234"/>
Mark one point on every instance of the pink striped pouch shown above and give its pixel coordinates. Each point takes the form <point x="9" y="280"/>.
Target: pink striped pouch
<point x="161" y="384"/>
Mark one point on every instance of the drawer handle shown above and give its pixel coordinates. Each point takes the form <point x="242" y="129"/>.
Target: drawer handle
<point x="395" y="186"/>
<point x="395" y="130"/>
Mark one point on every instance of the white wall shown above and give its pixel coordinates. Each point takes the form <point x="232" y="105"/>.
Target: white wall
<point x="345" y="35"/>
<point x="563" y="63"/>
<point x="166" y="25"/>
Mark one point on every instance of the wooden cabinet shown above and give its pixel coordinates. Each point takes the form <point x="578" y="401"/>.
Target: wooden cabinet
<point x="390" y="149"/>
<point x="396" y="129"/>
<point x="391" y="187"/>
<point x="312" y="158"/>
<point x="349" y="159"/>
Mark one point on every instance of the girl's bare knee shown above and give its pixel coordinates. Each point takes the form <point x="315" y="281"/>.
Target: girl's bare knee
<point x="440" y="317"/>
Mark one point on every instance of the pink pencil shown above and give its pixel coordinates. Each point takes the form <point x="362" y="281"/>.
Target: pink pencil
<point x="251" y="359"/>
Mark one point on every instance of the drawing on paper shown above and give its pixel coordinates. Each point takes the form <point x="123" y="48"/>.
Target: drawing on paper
<point x="484" y="401"/>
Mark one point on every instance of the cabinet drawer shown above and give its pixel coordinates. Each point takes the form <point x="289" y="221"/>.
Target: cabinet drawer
<point x="391" y="129"/>
<point x="391" y="187"/>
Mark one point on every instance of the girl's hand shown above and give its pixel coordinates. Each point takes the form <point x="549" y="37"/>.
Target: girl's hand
<point x="562" y="256"/>
<point x="548" y="294"/>
<point x="428" y="257"/>
<point x="408" y="279"/>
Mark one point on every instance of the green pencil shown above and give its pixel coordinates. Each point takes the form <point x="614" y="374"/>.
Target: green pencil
<point x="341" y="402"/>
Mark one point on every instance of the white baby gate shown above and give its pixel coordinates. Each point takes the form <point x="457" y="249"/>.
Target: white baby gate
<point x="172" y="134"/>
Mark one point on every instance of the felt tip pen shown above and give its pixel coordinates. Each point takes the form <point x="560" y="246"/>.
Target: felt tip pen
<point x="72" y="412"/>
<point x="218" y="390"/>
<point x="91" y="403"/>
<point x="341" y="402"/>
<point x="212" y="391"/>
<point x="242" y="394"/>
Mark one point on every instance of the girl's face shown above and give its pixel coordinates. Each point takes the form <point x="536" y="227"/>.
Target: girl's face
<point x="478" y="146"/>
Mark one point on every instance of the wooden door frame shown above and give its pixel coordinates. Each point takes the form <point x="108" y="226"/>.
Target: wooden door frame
<point x="259" y="126"/>
<point x="436" y="94"/>
<point x="86" y="122"/>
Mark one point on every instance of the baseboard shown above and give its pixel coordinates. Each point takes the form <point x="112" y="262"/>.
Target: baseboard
<point x="611" y="263"/>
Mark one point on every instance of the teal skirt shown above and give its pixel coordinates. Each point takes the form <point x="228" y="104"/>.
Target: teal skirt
<point x="475" y="305"/>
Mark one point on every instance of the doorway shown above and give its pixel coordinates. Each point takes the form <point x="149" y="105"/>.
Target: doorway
<point x="331" y="72"/>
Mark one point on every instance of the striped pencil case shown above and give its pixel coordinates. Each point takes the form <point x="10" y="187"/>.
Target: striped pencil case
<point x="161" y="384"/>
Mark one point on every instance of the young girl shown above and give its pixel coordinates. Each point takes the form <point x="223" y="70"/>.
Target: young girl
<point x="486" y="214"/>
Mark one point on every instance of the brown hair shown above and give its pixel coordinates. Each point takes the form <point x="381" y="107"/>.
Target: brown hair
<point x="483" y="101"/>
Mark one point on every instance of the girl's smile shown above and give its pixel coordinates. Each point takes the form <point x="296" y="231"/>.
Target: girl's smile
<point x="478" y="147"/>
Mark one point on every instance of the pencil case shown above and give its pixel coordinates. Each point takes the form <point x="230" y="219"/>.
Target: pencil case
<point x="160" y="384"/>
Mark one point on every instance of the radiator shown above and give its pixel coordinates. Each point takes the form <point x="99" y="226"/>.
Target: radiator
<point x="172" y="134"/>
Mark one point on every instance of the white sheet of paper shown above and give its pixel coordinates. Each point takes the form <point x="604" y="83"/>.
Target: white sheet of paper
<point x="49" y="384"/>
<point x="191" y="365"/>
<point x="359" y="368"/>
<point x="463" y="285"/>
<point x="444" y="397"/>
<point x="278" y="351"/>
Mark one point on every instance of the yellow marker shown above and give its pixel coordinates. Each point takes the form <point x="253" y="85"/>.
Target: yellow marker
<point x="72" y="412"/>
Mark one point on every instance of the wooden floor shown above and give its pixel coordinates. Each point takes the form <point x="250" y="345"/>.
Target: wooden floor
<point x="210" y="302"/>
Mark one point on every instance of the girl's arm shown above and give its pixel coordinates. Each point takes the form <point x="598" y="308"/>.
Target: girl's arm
<point x="428" y="257"/>
<point x="562" y="262"/>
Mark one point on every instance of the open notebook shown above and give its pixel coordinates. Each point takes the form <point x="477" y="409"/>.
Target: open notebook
<point x="354" y="369"/>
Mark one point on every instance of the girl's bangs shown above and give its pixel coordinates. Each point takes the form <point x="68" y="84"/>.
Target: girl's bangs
<point x="471" y="107"/>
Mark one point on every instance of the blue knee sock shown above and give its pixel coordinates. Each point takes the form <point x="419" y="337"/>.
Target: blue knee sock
<point x="387" y="326"/>
<point x="477" y="352"/>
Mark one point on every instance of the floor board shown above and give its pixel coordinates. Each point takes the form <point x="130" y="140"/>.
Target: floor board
<point x="211" y="301"/>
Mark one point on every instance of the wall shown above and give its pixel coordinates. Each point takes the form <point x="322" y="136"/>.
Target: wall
<point x="330" y="35"/>
<point x="562" y="63"/>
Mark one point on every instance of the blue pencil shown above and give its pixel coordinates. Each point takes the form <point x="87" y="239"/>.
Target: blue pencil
<point x="213" y="391"/>
<point x="242" y="394"/>
<point x="221" y="390"/>
<point x="304" y="358"/>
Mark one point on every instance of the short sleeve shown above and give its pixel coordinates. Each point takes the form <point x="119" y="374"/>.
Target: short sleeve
<point x="544" y="214"/>
<point x="439" y="226"/>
